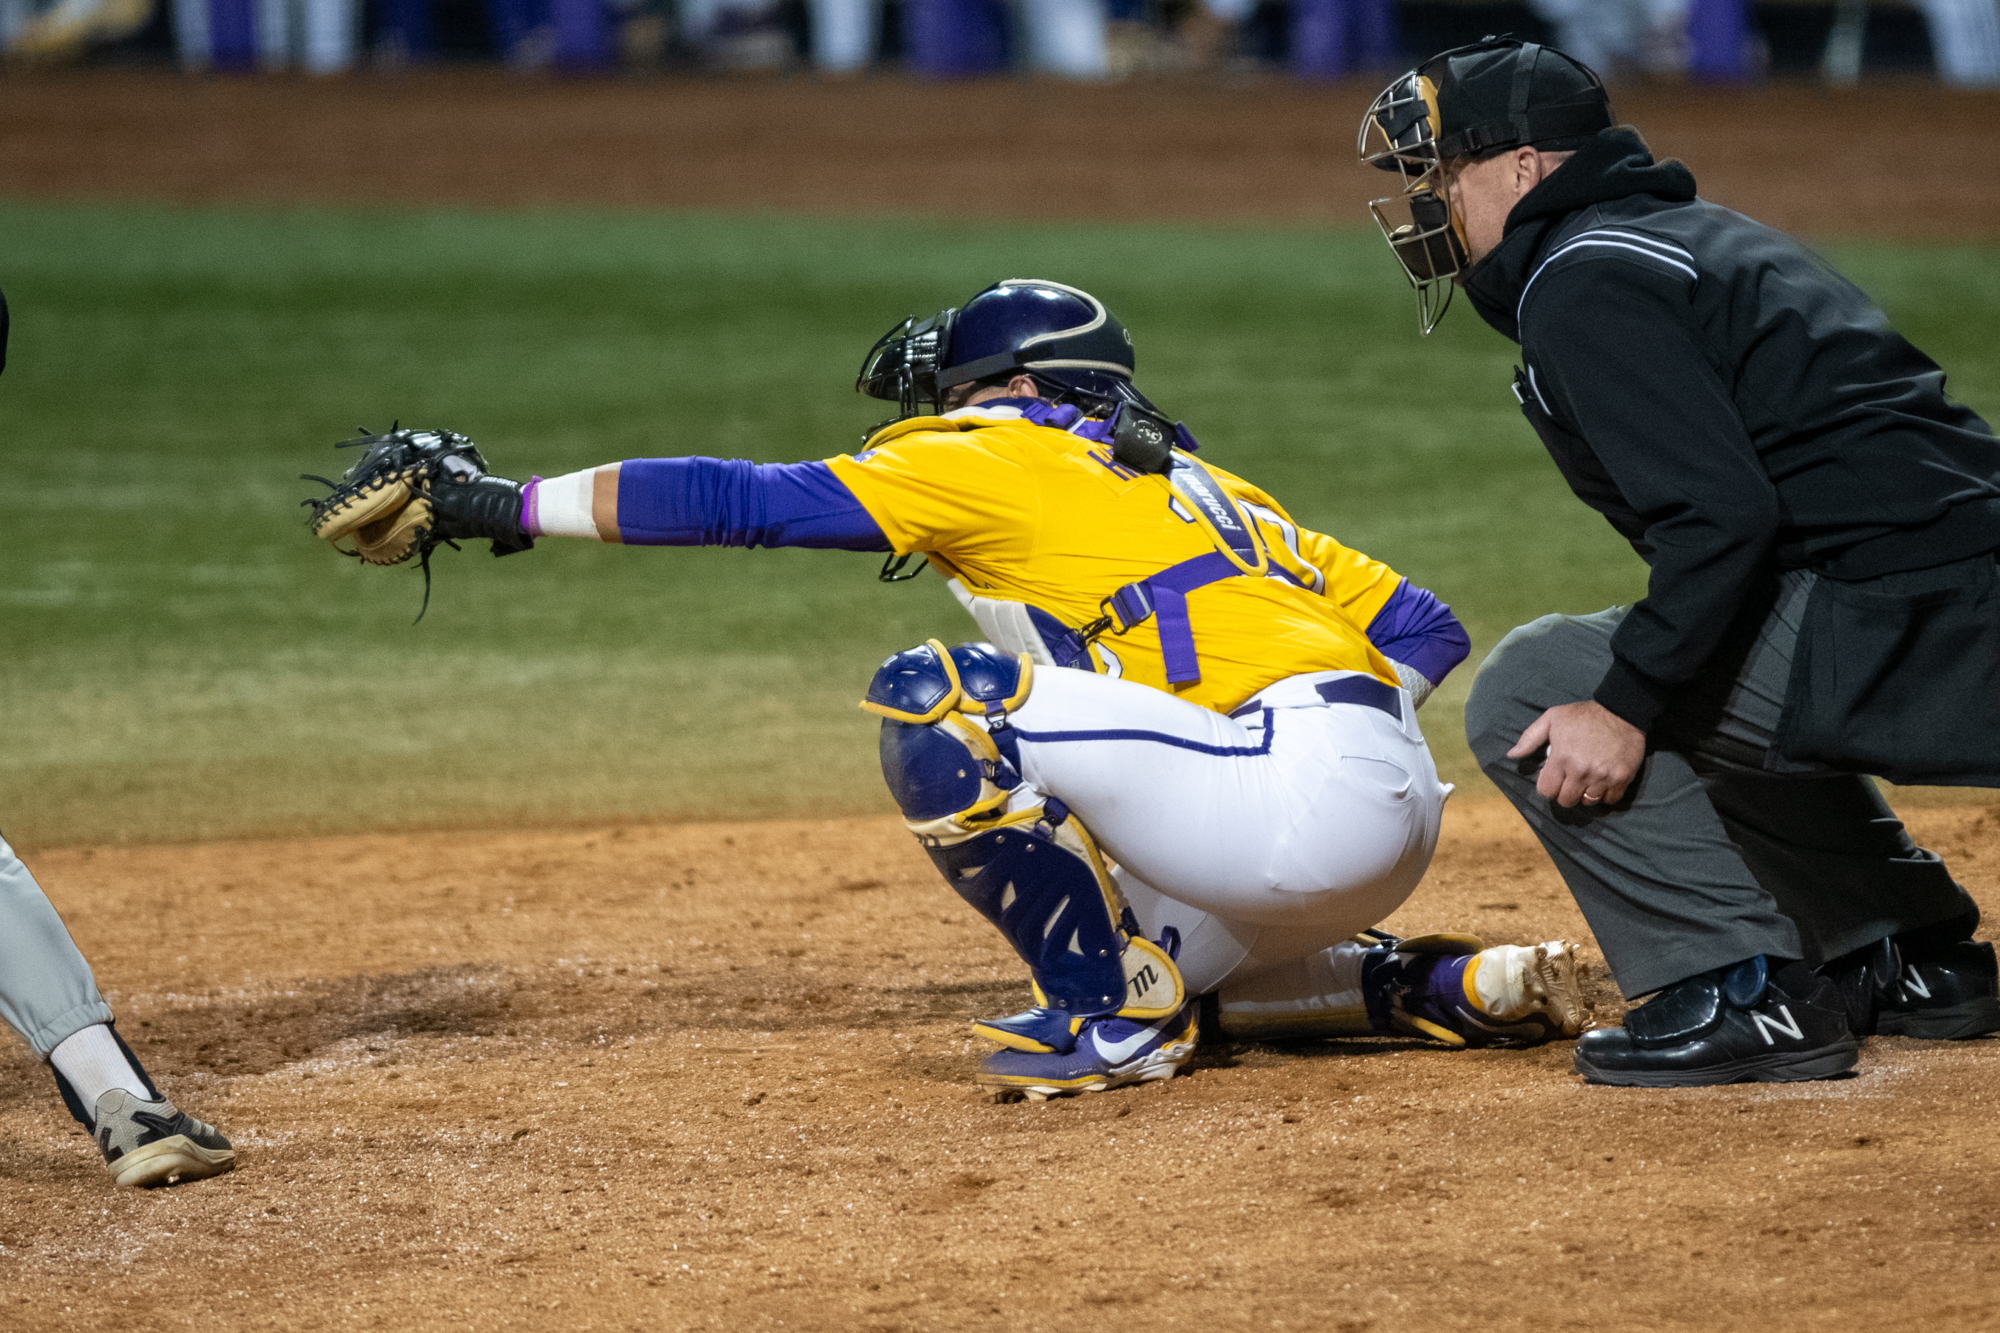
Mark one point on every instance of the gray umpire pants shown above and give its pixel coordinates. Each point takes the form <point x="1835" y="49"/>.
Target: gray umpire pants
<point x="47" y="993"/>
<point x="1721" y="849"/>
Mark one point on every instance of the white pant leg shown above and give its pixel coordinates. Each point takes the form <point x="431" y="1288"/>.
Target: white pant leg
<point x="13" y="13"/>
<point x="1320" y="986"/>
<point x="273" y="23"/>
<point x="843" y="34"/>
<point x="1292" y="835"/>
<point x="1067" y="37"/>
<point x="331" y="28"/>
<point x="47" y="992"/>
<point x="1663" y="35"/>
<point x="191" y="34"/>
<point x="1213" y="948"/>
<point x="1257" y="962"/>
<point x="1965" y="35"/>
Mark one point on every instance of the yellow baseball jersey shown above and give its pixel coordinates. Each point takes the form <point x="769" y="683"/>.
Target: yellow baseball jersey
<point x="1028" y="513"/>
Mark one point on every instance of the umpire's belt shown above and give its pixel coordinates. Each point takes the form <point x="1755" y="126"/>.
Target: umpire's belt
<point x="1165" y="595"/>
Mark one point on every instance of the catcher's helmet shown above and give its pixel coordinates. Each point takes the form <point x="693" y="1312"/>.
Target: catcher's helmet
<point x="1469" y="102"/>
<point x="1061" y="337"/>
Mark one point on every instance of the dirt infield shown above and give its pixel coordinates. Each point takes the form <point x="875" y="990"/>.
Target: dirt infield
<point x="1890" y="159"/>
<point x="715" y="1076"/>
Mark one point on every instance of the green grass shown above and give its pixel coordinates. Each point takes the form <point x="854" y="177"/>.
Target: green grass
<point x="183" y="662"/>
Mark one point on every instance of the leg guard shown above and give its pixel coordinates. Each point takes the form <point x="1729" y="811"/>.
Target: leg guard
<point x="1029" y="868"/>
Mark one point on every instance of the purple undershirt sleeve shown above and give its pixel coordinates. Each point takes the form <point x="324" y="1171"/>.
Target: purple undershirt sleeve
<point x="1415" y="628"/>
<point x="731" y="502"/>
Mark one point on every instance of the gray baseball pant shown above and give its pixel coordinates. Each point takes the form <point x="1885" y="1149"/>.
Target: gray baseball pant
<point x="1721" y="849"/>
<point x="47" y="992"/>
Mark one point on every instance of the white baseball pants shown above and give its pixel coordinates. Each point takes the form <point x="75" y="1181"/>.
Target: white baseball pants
<point x="1262" y="838"/>
<point x="843" y="34"/>
<point x="1965" y="35"/>
<point x="1066" y="37"/>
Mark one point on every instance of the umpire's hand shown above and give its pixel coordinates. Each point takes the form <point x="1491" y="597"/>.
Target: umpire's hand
<point x="1593" y="753"/>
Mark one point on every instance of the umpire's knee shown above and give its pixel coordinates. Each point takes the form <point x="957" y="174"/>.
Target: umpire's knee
<point x="1555" y="660"/>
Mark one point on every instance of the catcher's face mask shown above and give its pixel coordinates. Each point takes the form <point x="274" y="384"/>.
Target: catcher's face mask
<point x="902" y="366"/>
<point x="1400" y="133"/>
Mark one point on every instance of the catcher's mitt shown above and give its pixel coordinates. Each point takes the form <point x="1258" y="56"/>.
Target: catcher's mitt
<point x="411" y="492"/>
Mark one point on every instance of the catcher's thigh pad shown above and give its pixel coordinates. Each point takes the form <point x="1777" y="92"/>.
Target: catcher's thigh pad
<point x="1028" y="866"/>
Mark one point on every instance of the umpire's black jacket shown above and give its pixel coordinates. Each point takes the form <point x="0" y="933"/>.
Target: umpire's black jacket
<point x="1727" y="401"/>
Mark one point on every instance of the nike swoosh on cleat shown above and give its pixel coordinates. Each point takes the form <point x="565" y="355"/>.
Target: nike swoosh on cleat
<point x="1117" y="1052"/>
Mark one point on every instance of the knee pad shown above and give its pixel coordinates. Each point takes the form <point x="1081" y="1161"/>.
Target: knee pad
<point x="1034" y="872"/>
<point x="925" y="683"/>
<point x="943" y="767"/>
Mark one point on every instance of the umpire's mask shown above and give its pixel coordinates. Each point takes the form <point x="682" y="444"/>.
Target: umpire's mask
<point x="1465" y="105"/>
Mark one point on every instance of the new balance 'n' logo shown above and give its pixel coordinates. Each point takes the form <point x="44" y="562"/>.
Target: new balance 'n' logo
<point x="1766" y="1025"/>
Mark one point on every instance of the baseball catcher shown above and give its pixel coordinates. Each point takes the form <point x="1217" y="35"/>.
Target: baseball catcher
<point x="1184" y="766"/>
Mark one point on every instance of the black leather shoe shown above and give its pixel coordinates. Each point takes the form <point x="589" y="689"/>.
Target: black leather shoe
<point x="1942" y="992"/>
<point x="1750" y="1023"/>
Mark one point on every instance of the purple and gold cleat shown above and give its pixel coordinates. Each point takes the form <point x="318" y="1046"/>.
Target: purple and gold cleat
<point x="1452" y="989"/>
<point x="1109" y="1053"/>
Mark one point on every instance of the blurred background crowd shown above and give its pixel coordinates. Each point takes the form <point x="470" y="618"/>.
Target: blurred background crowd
<point x="1711" y="40"/>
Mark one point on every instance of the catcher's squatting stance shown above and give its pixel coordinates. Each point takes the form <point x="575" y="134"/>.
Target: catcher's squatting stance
<point x="49" y="997"/>
<point x="1186" y="764"/>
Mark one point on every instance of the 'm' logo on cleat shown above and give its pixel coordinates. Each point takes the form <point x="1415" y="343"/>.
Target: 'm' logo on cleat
<point x="1766" y="1025"/>
<point x="1142" y="981"/>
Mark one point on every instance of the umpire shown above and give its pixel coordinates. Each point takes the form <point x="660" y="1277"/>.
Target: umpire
<point x="1820" y="521"/>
